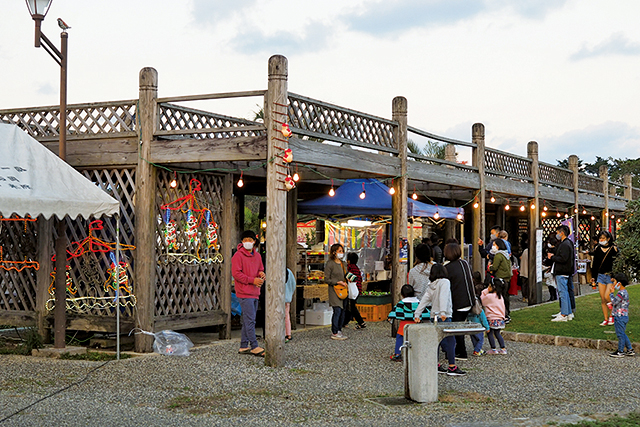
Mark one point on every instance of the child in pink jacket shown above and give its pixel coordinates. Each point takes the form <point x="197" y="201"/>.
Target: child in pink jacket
<point x="495" y="310"/>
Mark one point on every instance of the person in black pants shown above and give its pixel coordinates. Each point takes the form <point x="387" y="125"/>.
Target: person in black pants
<point x="462" y="290"/>
<point x="352" y="310"/>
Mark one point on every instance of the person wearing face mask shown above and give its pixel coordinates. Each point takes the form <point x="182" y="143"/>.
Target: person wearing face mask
<point x="485" y="251"/>
<point x="248" y="273"/>
<point x="563" y="269"/>
<point x="500" y="267"/>
<point x="334" y="272"/>
<point x="549" y="279"/>
<point x="603" y="257"/>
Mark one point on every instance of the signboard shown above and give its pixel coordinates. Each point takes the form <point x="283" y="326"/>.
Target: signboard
<point x="404" y="250"/>
<point x="539" y="238"/>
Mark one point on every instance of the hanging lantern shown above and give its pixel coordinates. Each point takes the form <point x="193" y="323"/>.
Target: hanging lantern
<point x="593" y="218"/>
<point x="544" y="208"/>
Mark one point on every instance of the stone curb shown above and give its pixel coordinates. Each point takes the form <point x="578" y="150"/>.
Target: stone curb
<point x="594" y="344"/>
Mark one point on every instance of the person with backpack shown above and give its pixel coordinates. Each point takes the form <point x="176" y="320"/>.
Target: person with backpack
<point x="419" y="274"/>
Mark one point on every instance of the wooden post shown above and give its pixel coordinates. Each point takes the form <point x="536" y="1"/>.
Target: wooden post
<point x="145" y="210"/>
<point x="604" y="175"/>
<point x="292" y="244"/>
<point x="573" y="165"/>
<point x="43" y="276"/>
<point x="477" y="137"/>
<point x="628" y="181"/>
<point x="534" y="296"/>
<point x="399" y="199"/>
<point x="275" y="109"/>
<point x="229" y="238"/>
<point x="450" y="154"/>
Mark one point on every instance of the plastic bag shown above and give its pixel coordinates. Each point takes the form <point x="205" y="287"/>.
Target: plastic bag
<point x="169" y="343"/>
<point x="353" y="290"/>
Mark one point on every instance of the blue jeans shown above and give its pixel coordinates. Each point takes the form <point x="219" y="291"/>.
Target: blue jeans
<point x="248" y="334"/>
<point x="477" y="340"/>
<point x="621" y="326"/>
<point x="563" y="293"/>
<point x="399" y="342"/>
<point x="337" y="320"/>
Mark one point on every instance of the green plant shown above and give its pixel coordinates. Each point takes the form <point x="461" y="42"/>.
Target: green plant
<point x="32" y="340"/>
<point x="94" y="356"/>
<point x="628" y="259"/>
<point x="633" y="419"/>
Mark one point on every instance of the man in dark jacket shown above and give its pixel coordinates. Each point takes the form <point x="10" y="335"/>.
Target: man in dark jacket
<point x="485" y="250"/>
<point x="563" y="269"/>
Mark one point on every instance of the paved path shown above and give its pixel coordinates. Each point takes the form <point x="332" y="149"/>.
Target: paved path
<point x="324" y="382"/>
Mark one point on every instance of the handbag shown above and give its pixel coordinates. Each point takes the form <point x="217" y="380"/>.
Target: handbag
<point x="341" y="291"/>
<point x="353" y="290"/>
<point x="476" y="308"/>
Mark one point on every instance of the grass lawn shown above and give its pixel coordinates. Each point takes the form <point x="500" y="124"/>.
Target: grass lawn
<point x="537" y="320"/>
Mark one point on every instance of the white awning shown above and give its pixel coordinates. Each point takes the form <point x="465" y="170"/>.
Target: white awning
<point x="34" y="181"/>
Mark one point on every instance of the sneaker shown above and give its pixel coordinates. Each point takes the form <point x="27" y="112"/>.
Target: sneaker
<point x="611" y="321"/>
<point x="560" y="318"/>
<point x="338" y="336"/>
<point x="462" y="357"/>
<point x="479" y="353"/>
<point x="361" y="326"/>
<point x="455" y="371"/>
<point x="617" y="353"/>
<point x="492" y="351"/>
<point x="507" y="319"/>
<point x="630" y="353"/>
<point x="604" y="323"/>
<point x="441" y="369"/>
<point x="502" y="351"/>
<point x="571" y="316"/>
<point x="396" y="358"/>
<point x="557" y="314"/>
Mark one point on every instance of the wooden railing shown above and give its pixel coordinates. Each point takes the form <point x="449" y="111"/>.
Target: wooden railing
<point x="178" y="120"/>
<point x="83" y="120"/>
<point x="555" y="176"/>
<point x="590" y="184"/>
<point x="498" y="162"/>
<point x="327" y="122"/>
<point x="439" y="140"/>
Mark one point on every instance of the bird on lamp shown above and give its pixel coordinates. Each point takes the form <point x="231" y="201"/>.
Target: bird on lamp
<point x="63" y="24"/>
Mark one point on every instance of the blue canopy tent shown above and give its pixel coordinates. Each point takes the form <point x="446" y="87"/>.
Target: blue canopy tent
<point x="347" y="201"/>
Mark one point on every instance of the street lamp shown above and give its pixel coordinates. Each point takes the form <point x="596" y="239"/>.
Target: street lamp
<point x="38" y="9"/>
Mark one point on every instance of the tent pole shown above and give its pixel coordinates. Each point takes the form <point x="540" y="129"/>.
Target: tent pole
<point x="117" y="283"/>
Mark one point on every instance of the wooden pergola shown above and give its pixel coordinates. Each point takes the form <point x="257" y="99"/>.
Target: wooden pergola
<point x="133" y="149"/>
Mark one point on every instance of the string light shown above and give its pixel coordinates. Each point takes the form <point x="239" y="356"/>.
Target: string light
<point x="522" y="208"/>
<point x="507" y="207"/>
<point x="566" y="215"/>
<point x="593" y="218"/>
<point x="558" y="214"/>
<point x="436" y="215"/>
<point x="296" y="177"/>
<point x="476" y="205"/>
<point x="459" y="216"/>
<point x="575" y="210"/>
<point x="584" y="211"/>
<point x="606" y="214"/>
<point x="174" y="181"/>
<point x="240" y="181"/>
<point x="414" y="196"/>
<point x="533" y="206"/>
<point x="545" y="208"/>
<point x="364" y="193"/>
<point x="544" y="214"/>
<point x="493" y="199"/>
<point x="332" y="192"/>
<point x="392" y="189"/>
<point x="612" y="216"/>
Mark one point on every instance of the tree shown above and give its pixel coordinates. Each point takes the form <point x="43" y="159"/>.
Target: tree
<point x="431" y="149"/>
<point x="628" y="260"/>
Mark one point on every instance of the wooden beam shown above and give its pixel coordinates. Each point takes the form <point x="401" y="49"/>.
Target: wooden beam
<point x="509" y="186"/>
<point x="191" y="320"/>
<point x="88" y="322"/>
<point x="319" y="154"/>
<point x="418" y="171"/>
<point x="18" y="318"/>
<point x="102" y="152"/>
<point x="245" y="148"/>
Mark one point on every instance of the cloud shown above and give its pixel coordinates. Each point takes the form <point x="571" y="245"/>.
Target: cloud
<point x="210" y="12"/>
<point x="46" y="89"/>
<point x="531" y="9"/>
<point x="314" y="37"/>
<point x="616" y="44"/>
<point x="397" y="16"/>
<point x="608" y="139"/>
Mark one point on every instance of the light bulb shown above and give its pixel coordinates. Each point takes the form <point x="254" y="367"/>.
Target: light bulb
<point x="296" y="177"/>
<point x="584" y="211"/>
<point x="593" y="218"/>
<point x="575" y="210"/>
<point x="522" y="208"/>
<point x="240" y="183"/>
<point x="414" y="196"/>
<point x="606" y="214"/>
<point x="476" y="205"/>
<point x="544" y="214"/>
<point x="558" y="214"/>
<point x="436" y="216"/>
<point x="459" y="216"/>
<point x="332" y="192"/>
<point x="392" y="191"/>
<point x="613" y="216"/>
<point x="363" y="195"/>
<point x="533" y="206"/>
<point x="544" y="208"/>
<point x="507" y="207"/>
<point x="492" y="199"/>
<point x="566" y="215"/>
<point x="173" y="183"/>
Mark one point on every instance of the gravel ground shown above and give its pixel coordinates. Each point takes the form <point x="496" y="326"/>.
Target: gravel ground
<point x="324" y="382"/>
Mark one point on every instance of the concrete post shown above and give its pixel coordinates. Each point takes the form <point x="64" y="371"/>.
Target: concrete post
<point x="420" y="361"/>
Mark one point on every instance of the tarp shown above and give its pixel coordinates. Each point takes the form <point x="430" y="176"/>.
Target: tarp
<point x="34" y="181"/>
<point x="377" y="201"/>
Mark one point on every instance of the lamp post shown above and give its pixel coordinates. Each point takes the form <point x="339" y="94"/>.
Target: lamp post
<point x="38" y="10"/>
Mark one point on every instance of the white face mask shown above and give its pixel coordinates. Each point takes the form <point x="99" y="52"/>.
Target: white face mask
<point x="494" y="250"/>
<point x="247" y="245"/>
<point x="549" y="245"/>
<point x="603" y="242"/>
<point x="340" y="256"/>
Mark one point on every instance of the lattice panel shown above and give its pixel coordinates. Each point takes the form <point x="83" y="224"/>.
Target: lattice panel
<point x="590" y="183"/>
<point x="90" y="287"/>
<point x="554" y="175"/>
<point x="316" y="116"/>
<point x="503" y="163"/>
<point x="82" y="119"/>
<point x="636" y="194"/>
<point x="185" y="284"/>
<point x="549" y="226"/>
<point x="176" y="117"/>
<point x="18" y="240"/>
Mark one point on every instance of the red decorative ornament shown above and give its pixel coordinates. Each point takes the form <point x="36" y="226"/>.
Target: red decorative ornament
<point x="288" y="155"/>
<point x="289" y="183"/>
<point x="286" y="131"/>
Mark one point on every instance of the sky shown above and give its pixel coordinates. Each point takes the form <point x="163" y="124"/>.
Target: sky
<point x="564" y="73"/>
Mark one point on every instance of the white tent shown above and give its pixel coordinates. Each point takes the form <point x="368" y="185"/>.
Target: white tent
<point x="34" y="181"/>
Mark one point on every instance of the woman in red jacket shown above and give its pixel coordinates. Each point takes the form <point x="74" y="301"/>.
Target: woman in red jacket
<point x="248" y="273"/>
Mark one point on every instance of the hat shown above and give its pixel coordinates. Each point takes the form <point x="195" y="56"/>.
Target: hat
<point x="248" y="233"/>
